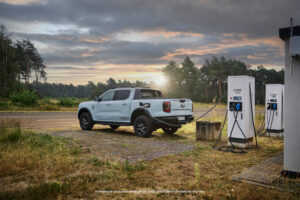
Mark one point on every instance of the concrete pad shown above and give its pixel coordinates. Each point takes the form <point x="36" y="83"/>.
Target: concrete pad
<point x="268" y="174"/>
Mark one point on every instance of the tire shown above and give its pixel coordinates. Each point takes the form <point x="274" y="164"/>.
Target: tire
<point x="86" y="122"/>
<point x="143" y="126"/>
<point x="170" y="130"/>
<point x="113" y="127"/>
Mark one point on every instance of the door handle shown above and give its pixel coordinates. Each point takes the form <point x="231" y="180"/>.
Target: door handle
<point x="124" y="104"/>
<point x="108" y="104"/>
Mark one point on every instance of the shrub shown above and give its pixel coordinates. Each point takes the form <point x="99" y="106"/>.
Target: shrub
<point x="24" y="98"/>
<point x="67" y="102"/>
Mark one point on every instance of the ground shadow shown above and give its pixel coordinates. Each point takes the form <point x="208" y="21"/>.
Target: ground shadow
<point x="154" y="135"/>
<point x="114" y="132"/>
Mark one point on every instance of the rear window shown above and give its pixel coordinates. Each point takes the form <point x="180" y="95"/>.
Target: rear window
<point x="147" y="94"/>
<point x="121" y="95"/>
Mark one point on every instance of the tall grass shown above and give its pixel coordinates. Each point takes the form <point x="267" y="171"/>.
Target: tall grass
<point x="37" y="155"/>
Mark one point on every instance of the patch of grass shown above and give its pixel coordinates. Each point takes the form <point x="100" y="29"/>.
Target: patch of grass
<point x="27" y="150"/>
<point x="35" y="157"/>
<point x="38" y="191"/>
<point x="130" y="169"/>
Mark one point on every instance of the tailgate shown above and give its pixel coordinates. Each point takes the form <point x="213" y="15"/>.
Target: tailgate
<point x="181" y="106"/>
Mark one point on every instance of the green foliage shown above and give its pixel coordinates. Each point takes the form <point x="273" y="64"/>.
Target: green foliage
<point x="9" y="68"/>
<point x="39" y="191"/>
<point x="130" y="169"/>
<point x="208" y="83"/>
<point x="10" y="136"/>
<point x="4" y="105"/>
<point x="17" y="61"/>
<point x="68" y="102"/>
<point x="24" y="98"/>
<point x="45" y="101"/>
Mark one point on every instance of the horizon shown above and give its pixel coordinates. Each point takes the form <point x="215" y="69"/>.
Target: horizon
<point x="95" y="40"/>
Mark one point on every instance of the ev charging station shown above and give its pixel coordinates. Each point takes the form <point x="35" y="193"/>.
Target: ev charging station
<point x="291" y="37"/>
<point x="241" y="110"/>
<point x="274" y="109"/>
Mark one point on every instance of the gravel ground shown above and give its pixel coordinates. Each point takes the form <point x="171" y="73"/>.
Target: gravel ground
<point x="123" y="145"/>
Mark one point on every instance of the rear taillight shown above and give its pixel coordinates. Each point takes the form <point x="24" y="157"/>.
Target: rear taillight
<point x="167" y="106"/>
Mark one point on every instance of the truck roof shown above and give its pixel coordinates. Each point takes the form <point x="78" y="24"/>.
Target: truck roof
<point x="126" y="86"/>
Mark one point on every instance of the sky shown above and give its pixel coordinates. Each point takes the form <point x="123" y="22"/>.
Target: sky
<point x="94" y="40"/>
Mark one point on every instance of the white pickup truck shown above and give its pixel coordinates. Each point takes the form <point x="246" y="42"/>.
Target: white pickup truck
<point x="144" y="108"/>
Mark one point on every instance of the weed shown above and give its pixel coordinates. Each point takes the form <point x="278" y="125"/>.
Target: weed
<point x="96" y="162"/>
<point x="130" y="169"/>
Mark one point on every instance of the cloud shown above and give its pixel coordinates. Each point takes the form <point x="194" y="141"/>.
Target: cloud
<point x="22" y="2"/>
<point x="149" y="33"/>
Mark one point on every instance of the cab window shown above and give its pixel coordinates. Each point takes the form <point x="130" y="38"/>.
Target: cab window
<point x="147" y="94"/>
<point x="107" y="96"/>
<point x="121" y="95"/>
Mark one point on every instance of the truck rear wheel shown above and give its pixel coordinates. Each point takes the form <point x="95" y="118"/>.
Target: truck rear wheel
<point x="143" y="126"/>
<point x="170" y="130"/>
<point x="86" y="122"/>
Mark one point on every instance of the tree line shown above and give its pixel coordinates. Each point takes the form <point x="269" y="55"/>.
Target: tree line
<point x="203" y="84"/>
<point x="18" y="61"/>
<point x="209" y="82"/>
<point x="89" y="90"/>
<point x="206" y="83"/>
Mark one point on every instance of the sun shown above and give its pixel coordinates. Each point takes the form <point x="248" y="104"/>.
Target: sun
<point x="161" y="80"/>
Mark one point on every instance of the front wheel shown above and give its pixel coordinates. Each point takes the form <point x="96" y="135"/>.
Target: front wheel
<point x="86" y="122"/>
<point x="143" y="126"/>
<point x="170" y="130"/>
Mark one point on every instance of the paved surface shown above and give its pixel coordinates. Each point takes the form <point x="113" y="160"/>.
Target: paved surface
<point x="268" y="174"/>
<point x="265" y="172"/>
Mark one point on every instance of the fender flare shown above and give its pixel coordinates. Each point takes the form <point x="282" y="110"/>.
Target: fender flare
<point x="84" y="109"/>
<point x="139" y="111"/>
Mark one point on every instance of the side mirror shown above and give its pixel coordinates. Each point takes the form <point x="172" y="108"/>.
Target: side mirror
<point x="97" y="99"/>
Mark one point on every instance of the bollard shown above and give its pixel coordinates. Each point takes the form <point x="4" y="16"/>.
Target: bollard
<point x="206" y="130"/>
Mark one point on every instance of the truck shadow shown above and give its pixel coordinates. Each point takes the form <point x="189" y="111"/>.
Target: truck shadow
<point x="119" y="132"/>
<point x="130" y="133"/>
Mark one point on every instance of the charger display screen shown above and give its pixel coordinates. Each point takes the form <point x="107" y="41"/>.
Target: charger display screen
<point x="237" y="98"/>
